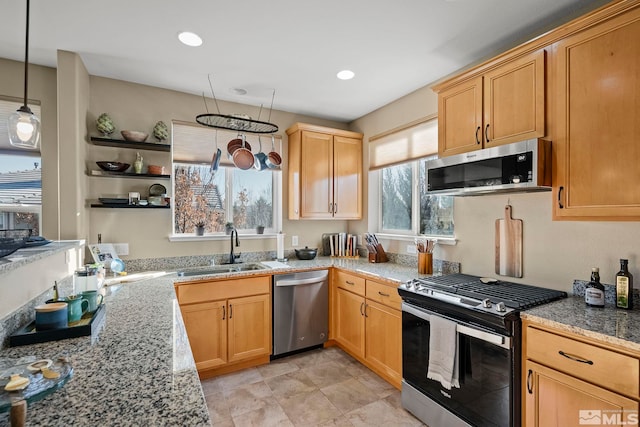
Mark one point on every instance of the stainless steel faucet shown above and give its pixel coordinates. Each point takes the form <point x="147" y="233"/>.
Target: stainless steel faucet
<point x="232" y="256"/>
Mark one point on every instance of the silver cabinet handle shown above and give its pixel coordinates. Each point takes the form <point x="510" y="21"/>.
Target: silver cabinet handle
<point x="335" y="208"/>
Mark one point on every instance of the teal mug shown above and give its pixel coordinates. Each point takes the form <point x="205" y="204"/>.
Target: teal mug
<point x="94" y="298"/>
<point x="77" y="306"/>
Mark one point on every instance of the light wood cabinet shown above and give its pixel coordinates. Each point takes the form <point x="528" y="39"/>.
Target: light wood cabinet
<point x="557" y="399"/>
<point x="566" y="377"/>
<point x="595" y="132"/>
<point x="325" y="173"/>
<point x="367" y="323"/>
<point x="228" y="323"/>
<point x="504" y="104"/>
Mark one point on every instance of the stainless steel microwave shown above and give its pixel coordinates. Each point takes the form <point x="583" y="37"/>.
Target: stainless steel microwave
<point x="518" y="167"/>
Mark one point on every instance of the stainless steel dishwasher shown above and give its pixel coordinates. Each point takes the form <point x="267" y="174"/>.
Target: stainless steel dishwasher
<point x="300" y="310"/>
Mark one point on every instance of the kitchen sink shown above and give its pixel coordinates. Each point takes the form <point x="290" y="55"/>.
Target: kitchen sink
<point x="219" y="269"/>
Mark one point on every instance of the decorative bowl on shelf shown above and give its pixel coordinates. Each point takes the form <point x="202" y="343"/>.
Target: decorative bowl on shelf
<point x="113" y="166"/>
<point x="155" y="170"/>
<point x="134" y="135"/>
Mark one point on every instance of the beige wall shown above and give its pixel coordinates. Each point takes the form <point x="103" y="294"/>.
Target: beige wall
<point x="42" y="87"/>
<point x="555" y="252"/>
<point x="138" y="107"/>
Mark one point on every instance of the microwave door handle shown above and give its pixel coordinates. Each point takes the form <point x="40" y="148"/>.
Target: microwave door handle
<point x="499" y="340"/>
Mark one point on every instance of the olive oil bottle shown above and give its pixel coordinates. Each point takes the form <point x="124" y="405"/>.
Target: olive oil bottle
<point x="624" y="286"/>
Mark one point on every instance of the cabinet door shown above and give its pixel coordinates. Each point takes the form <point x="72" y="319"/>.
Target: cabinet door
<point x="460" y="118"/>
<point x="514" y="101"/>
<point x="383" y="348"/>
<point x="349" y="322"/>
<point x="249" y="327"/>
<point x="596" y="103"/>
<point x="316" y="180"/>
<point x="555" y="399"/>
<point x="206" y="325"/>
<point x="347" y="178"/>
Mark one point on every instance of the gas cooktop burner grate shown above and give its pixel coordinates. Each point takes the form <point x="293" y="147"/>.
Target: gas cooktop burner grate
<point x="514" y="295"/>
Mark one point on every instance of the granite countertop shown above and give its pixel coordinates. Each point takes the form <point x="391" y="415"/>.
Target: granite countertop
<point x="609" y="324"/>
<point x="25" y="256"/>
<point x="140" y="370"/>
<point x="393" y="274"/>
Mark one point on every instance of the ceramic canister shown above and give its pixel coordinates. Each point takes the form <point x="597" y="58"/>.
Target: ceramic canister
<point x="51" y="316"/>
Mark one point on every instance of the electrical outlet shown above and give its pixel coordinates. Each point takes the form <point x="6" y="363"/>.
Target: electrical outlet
<point x="294" y="240"/>
<point x="411" y="249"/>
<point x="121" y="248"/>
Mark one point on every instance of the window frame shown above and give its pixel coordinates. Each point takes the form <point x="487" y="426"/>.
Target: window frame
<point x="415" y="208"/>
<point x="228" y="206"/>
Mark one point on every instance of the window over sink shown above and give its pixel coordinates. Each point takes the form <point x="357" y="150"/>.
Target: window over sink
<point x="214" y="198"/>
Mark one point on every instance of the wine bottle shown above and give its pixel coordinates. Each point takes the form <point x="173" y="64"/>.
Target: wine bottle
<point x="594" y="292"/>
<point x="624" y="286"/>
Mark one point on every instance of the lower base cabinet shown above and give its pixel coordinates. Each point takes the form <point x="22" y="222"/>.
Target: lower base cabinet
<point x="367" y="324"/>
<point x="556" y="399"/>
<point x="227" y="331"/>
<point x="571" y="380"/>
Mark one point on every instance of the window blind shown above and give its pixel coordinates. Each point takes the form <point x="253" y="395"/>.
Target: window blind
<point x="194" y="143"/>
<point x="411" y="142"/>
<point x="8" y="106"/>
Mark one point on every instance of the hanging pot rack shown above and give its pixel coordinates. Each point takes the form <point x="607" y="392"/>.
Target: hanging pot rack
<point x="236" y="122"/>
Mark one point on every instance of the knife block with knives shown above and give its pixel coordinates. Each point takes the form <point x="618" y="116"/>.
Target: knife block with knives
<point x="376" y="251"/>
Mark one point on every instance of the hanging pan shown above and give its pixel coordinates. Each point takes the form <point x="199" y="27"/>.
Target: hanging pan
<point x="260" y="158"/>
<point x="242" y="156"/>
<point x="273" y="158"/>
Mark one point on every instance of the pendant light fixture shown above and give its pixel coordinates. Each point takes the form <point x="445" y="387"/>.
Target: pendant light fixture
<point x="24" y="126"/>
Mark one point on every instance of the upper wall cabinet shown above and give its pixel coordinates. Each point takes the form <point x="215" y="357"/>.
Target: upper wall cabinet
<point x="595" y="105"/>
<point x="504" y="104"/>
<point x="325" y="173"/>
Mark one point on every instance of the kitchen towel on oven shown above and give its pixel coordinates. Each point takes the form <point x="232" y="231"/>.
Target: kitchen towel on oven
<point x="443" y="352"/>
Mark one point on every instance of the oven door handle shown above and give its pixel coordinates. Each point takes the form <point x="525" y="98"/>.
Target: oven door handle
<point x="499" y="340"/>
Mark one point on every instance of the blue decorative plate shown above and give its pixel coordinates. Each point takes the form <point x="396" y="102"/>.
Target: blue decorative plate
<point x="117" y="265"/>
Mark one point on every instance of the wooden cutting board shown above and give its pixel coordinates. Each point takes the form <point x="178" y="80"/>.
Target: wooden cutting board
<point x="509" y="245"/>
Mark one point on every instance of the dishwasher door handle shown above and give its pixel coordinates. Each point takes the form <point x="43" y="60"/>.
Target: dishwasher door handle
<point x="298" y="282"/>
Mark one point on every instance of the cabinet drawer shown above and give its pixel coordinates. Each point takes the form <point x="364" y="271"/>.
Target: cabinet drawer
<point x="594" y="364"/>
<point x="349" y="282"/>
<point x="384" y="294"/>
<point x="222" y="289"/>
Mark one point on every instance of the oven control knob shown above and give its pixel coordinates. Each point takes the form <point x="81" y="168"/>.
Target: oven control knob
<point x="500" y="307"/>
<point x="486" y="303"/>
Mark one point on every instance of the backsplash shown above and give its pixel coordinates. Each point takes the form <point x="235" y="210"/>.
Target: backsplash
<point x="25" y="314"/>
<point x="579" y="287"/>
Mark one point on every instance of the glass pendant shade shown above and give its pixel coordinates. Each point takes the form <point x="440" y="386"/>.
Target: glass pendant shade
<point x="24" y="129"/>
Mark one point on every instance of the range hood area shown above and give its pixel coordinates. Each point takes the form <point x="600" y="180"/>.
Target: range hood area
<point x="523" y="166"/>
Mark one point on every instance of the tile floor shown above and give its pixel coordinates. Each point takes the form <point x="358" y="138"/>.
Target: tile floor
<point x="323" y="387"/>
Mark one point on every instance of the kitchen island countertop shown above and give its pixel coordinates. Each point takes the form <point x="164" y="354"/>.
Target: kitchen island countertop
<point x="609" y="324"/>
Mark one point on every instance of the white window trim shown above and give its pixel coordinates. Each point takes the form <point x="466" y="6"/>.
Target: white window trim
<point x="270" y="233"/>
<point x="375" y="215"/>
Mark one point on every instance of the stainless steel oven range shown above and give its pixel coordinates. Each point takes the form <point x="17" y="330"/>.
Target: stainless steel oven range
<point x="486" y="320"/>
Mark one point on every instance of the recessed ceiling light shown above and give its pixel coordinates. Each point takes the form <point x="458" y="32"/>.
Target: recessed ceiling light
<point x="345" y="75"/>
<point x="238" y="91"/>
<point x="190" y="39"/>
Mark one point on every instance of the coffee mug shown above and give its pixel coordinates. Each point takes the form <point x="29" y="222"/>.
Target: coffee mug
<point x="77" y="306"/>
<point x="51" y="316"/>
<point x="94" y="298"/>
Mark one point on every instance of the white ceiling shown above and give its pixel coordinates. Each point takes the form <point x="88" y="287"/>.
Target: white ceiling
<point x="293" y="46"/>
